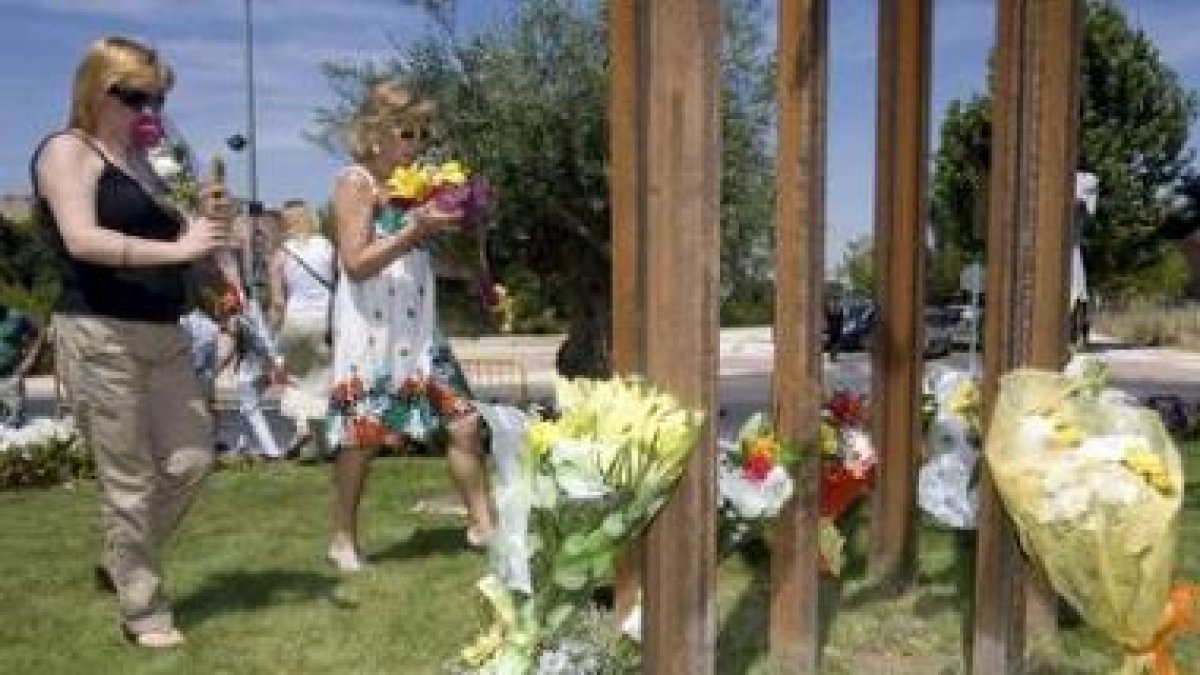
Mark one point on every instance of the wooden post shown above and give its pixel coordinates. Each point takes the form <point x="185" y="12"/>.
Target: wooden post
<point x="626" y="188"/>
<point x="1034" y="137"/>
<point x="681" y="153"/>
<point x="799" y="265"/>
<point x="901" y="176"/>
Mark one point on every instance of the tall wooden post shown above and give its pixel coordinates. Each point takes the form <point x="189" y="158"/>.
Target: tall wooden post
<point x="799" y="264"/>
<point x="627" y="202"/>
<point x="902" y="153"/>
<point x="677" y="163"/>
<point x="1034" y="137"/>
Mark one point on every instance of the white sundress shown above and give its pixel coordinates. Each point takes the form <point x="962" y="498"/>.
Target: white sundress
<point x="393" y="373"/>
<point x="302" y="338"/>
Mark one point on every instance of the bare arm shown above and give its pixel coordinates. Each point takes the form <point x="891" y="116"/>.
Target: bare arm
<point x="68" y="173"/>
<point x="364" y="255"/>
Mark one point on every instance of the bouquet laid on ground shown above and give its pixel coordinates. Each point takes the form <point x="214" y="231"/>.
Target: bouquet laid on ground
<point x="571" y="492"/>
<point x="1094" y="486"/>
<point x="946" y="482"/>
<point x="848" y="462"/>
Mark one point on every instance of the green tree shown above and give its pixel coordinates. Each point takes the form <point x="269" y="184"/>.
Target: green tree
<point x="525" y="103"/>
<point x="1134" y="120"/>
<point x="29" y="280"/>
<point x="856" y="271"/>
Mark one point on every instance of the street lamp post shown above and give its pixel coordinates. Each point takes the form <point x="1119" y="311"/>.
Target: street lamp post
<point x="251" y="124"/>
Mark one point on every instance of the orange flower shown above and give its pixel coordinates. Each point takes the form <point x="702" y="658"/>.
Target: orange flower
<point x="366" y="431"/>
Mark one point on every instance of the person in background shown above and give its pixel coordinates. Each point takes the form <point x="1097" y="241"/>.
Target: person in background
<point x="258" y="363"/>
<point x="388" y="353"/>
<point x="835" y="318"/>
<point x="303" y="275"/>
<point x="21" y="341"/>
<point x="124" y="357"/>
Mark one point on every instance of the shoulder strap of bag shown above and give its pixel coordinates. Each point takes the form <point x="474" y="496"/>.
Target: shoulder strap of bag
<point x="308" y="268"/>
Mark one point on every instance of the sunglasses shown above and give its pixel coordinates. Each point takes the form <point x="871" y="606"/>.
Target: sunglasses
<point x="137" y="99"/>
<point x="415" y="133"/>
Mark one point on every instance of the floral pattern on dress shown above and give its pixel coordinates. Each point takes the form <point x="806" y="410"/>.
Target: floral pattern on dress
<point x="394" y="374"/>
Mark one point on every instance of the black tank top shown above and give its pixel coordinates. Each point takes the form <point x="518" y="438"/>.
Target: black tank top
<point x="156" y="294"/>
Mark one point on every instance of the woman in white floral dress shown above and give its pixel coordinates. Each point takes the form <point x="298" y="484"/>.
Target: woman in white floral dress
<point x="393" y="374"/>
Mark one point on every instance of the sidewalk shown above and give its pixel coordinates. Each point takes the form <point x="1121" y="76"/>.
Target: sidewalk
<point x="747" y="356"/>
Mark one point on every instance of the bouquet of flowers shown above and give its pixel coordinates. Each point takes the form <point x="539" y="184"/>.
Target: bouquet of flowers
<point x="1094" y="486"/>
<point x="579" y="487"/>
<point x="848" y="462"/>
<point x="218" y="289"/>
<point x="451" y="188"/>
<point x="754" y="478"/>
<point x="946" y="482"/>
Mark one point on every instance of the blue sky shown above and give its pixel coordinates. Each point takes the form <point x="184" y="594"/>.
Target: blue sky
<point x="203" y="40"/>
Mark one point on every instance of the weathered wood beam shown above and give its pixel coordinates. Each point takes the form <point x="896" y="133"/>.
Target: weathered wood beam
<point x="799" y="275"/>
<point x="680" y="94"/>
<point x="1035" y="100"/>
<point x="627" y="204"/>
<point x="901" y="208"/>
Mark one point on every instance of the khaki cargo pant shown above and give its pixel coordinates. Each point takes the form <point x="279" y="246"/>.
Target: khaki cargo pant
<point x="139" y="407"/>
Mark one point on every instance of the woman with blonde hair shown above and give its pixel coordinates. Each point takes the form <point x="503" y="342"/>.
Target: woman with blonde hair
<point x="303" y="275"/>
<point x="389" y="357"/>
<point x="125" y="358"/>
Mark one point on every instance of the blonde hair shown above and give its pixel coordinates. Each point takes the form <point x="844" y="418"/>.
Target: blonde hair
<point x="298" y="219"/>
<point x="386" y="106"/>
<point x="112" y="61"/>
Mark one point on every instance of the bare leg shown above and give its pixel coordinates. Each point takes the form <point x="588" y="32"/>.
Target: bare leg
<point x="350" y="469"/>
<point x="465" y="458"/>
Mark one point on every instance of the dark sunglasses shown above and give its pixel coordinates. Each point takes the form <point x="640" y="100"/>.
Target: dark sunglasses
<point x="136" y="99"/>
<point x="415" y="133"/>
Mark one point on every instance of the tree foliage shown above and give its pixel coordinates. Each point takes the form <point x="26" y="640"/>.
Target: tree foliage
<point x="1134" y="120"/>
<point x="525" y="103"/>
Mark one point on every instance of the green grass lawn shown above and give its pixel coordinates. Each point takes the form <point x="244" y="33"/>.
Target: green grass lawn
<point x="254" y="594"/>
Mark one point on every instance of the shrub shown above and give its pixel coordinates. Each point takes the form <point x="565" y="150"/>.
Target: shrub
<point x="44" y="452"/>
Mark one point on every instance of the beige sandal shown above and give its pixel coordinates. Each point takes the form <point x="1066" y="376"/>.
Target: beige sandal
<point x="155" y="639"/>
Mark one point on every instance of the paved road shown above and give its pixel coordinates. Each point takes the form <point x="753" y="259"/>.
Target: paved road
<point x="746" y="363"/>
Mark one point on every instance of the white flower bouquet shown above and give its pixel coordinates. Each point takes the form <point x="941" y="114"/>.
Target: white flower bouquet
<point x="571" y="493"/>
<point x="946" y="485"/>
<point x="1094" y="486"/>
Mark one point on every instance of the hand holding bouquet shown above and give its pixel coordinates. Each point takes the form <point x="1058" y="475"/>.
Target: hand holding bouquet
<point x="443" y="191"/>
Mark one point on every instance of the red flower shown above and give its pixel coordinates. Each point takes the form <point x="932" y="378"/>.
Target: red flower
<point x="840" y="489"/>
<point x="848" y="408"/>
<point x="758" y="465"/>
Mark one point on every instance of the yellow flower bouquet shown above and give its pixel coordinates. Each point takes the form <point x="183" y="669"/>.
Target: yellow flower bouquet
<point x="1094" y="486"/>
<point x="583" y="485"/>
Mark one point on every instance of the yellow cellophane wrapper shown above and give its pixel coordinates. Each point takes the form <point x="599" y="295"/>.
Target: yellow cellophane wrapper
<point x="1112" y="561"/>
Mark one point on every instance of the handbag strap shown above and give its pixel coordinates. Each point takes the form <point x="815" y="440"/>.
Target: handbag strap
<point x="308" y="268"/>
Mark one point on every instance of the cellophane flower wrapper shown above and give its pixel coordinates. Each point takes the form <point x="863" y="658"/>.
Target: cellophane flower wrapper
<point x="582" y="488"/>
<point x="1094" y="486"/>
<point x="946" y="485"/>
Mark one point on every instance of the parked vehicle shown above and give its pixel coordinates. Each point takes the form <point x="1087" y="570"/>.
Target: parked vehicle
<point x="858" y="328"/>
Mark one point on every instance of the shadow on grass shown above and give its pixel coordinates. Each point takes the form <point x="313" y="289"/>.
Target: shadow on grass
<point x="743" y="637"/>
<point x="425" y="543"/>
<point x="248" y="591"/>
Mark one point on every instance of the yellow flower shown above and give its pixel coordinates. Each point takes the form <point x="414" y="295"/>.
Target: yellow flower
<point x="1066" y="435"/>
<point x="450" y="173"/>
<point x="541" y="436"/>
<point x="410" y="183"/>
<point x="764" y="445"/>
<point x="829" y="439"/>
<point x="1149" y="467"/>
